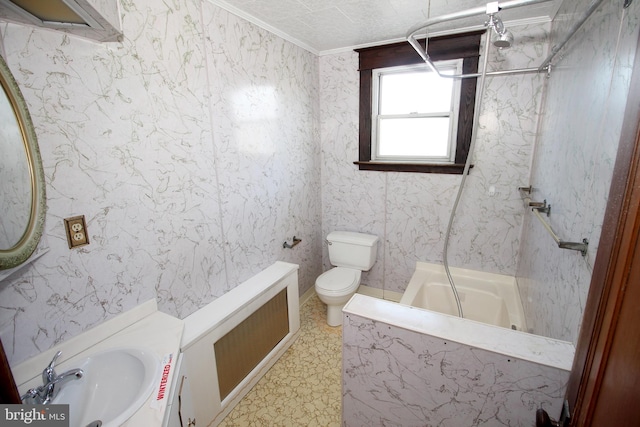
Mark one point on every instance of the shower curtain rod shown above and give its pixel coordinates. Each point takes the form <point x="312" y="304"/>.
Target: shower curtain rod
<point x="482" y="10"/>
<point x="558" y="47"/>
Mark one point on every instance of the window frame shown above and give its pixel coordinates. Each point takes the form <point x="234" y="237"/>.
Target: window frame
<point x="459" y="46"/>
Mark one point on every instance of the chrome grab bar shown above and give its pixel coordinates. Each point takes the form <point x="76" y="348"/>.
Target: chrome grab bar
<point x="536" y="208"/>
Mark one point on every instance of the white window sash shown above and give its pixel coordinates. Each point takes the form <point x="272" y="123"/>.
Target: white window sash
<point x="456" y="67"/>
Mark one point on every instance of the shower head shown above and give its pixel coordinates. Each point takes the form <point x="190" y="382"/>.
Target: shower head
<point x="503" y="40"/>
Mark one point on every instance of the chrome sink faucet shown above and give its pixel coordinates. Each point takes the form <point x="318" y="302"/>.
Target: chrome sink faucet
<point x="51" y="384"/>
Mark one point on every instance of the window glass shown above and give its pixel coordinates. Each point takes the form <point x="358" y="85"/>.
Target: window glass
<point x="414" y="91"/>
<point x="414" y="137"/>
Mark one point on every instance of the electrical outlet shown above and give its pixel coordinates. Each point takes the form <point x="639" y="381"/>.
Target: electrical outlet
<point x="76" y="230"/>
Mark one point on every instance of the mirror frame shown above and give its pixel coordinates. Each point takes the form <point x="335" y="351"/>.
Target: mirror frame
<point x="21" y="251"/>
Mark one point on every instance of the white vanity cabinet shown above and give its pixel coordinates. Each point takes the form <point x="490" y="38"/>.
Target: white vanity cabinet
<point x="141" y="330"/>
<point x="180" y="411"/>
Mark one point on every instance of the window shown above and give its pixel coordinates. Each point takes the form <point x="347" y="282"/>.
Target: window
<point x="414" y="113"/>
<point x="417" y="134"/>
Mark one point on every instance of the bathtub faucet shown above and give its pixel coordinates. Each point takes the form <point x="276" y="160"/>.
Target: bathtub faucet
<point x="51" y="384"/>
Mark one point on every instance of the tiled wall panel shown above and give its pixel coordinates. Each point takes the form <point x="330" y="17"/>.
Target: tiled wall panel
<point x="573" y="165"/>
<point x="395" y="376"/>
<point x="189" y="147"/>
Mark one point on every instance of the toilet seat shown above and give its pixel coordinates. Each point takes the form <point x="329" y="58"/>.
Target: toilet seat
<point x="338" y="281"/>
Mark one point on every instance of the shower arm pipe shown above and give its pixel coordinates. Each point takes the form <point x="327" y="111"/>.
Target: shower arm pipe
<point x="482" y="10"/>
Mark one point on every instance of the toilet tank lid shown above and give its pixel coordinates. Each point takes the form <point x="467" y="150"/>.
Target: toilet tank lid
<point x="352" y="237"/>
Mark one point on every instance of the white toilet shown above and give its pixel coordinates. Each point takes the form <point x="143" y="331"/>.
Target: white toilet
<point x="350" y="253"/>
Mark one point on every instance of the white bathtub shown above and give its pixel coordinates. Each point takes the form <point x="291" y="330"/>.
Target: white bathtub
<point x="485" y="297"/>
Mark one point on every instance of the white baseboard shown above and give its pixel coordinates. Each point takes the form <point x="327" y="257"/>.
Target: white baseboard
<point x="379" y="293"/>
<point x="362" y="289"/>
<point x="307" y="295"/>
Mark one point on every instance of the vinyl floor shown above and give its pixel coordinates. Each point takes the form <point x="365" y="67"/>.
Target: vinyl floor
<point x="303" y="388"/>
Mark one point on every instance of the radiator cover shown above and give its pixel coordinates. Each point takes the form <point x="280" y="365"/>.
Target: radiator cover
<point x="242" y="348"/>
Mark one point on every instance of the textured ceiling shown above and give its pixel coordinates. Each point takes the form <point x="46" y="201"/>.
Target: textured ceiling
<point x="323" y="26"/>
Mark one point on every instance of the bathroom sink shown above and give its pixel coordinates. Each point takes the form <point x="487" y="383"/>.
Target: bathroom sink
<point x="114" y="386"/>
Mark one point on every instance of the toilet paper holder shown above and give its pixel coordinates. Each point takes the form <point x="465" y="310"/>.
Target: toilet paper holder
<point x="294" y="242"/>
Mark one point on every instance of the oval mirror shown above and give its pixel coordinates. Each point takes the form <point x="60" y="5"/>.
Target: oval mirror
<point x="22" y="193"/>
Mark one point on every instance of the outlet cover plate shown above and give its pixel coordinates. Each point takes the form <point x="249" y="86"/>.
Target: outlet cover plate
<point x="76" y="230"/>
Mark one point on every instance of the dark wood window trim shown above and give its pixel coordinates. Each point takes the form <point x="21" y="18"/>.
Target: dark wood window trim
<point x="465" y="46"/>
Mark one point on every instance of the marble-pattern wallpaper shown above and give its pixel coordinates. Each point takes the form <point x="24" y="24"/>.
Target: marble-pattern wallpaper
<point x="573" y="163"/>
<point x="201" y="142"/>
<point x="190" y="147"/>
<point x="393" y="376"/>
<point x="410" y="211"/>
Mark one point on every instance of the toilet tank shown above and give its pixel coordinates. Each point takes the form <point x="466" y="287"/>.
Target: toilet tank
<point x="352" y="250"/>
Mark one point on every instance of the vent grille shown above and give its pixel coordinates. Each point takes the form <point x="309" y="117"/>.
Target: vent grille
<point x="242" y="348"/>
